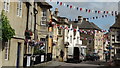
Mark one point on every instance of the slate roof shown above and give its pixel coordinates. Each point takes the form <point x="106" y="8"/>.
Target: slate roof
<point x="117" y="23"/>
<point x="44" y="5"/>
<point x="84" y="25"/>
<point x="95" y="26"/>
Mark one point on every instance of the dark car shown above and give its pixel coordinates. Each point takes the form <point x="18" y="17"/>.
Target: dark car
<point x="92" y="57"/>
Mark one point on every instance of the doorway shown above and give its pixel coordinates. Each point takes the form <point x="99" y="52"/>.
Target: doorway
<point x="18" y="55"/>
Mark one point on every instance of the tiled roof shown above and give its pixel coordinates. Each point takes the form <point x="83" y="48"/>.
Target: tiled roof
<point x="84" y="25"/>
<point x="117" y="23"/>
<point x="44" y="4"/>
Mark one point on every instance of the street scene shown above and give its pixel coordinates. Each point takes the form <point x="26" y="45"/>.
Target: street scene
<point x="59" y="33"/>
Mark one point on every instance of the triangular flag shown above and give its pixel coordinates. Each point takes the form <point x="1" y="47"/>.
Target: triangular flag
<point x="98" y="11"/>
<point x="103" y="16"/>
<point x="67" y="5"/>
<point x="96" y="17"/>
<point x="95" y="11"/>
<point x="77" y="8"/>
<point x="57" y="2"/>
<point x="112" y="12"/>
<point x="115" y="12"/>
<point x="89" y="10"/>
<point x="107" y="12"/>
<point x="80" y="9"/>
<point x="86" y="10"/>
<point x="60" y="3"/>
<point x="70" y="6"/>
<point x="87" y="18"/>
<point x="104" y="12"/>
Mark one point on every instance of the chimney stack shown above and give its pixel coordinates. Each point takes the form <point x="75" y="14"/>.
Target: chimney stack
<point x="56" y="12"/>
<point x="85" y="19"/>
<point x="80" y="19"/>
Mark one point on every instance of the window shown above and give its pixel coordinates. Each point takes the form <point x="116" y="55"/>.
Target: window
<point x="118" y="38"/>
<point x="6" y="5"/>
<point x="70" y="39"/>
<point x="77" y="39"/>
<point x="113" y="40"/>
<point x="42" y="39"/>
<point x="19" y="8"/>
<point x="43" y="17"/>
<point x="6" y="50"/>
<point x="59" y="31"/>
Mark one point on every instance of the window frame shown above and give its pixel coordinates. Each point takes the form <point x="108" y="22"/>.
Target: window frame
<point x="7" y="47"/>
<point x="6" y="5"/>
<point x="43" y="15"/>
<point x="19" y="8"/>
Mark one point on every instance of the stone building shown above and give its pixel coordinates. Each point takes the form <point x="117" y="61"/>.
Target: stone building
<point x="12" y="54"/>
<point x="59" y="35"/>
<point x="91" y="36"/>
<point x="115" y="38"/>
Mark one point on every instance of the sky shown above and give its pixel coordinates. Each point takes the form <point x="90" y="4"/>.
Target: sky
<point x="102" y="5"/>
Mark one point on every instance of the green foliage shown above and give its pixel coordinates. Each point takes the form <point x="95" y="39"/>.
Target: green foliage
<point x="7" y="31"/>
<point x="38" y="51"/>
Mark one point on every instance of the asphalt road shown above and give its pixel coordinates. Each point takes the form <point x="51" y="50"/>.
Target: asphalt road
<point x="87" y="64"/>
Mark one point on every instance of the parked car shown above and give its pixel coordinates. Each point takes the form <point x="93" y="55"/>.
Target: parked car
<point x="92" y="57"/>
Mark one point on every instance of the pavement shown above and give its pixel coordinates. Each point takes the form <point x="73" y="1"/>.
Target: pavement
<point x="51" y="63"/>
<point x="84" y="64"/>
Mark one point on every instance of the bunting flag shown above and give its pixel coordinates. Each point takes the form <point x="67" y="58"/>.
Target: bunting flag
<point x="77" y="8"/>
<point x="87" y="38"/>
<point x="60" y="3"/>
<point x="90" y="32"/>
<point x="67" y="5"/>
<point x="57" y="2"/>
<point x="70" y="6"/>
<point x="80" y="9"/>
<point x="88" y="10"/>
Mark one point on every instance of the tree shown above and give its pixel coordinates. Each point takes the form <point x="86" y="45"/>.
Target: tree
<point x="7" y="31"/>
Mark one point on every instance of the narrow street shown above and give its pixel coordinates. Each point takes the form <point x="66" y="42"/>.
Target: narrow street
<point x="85" y="64"/>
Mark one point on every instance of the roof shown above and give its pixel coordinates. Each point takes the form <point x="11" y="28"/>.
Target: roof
<point x="84" y="25"/>
<point x="44" y="5"/>
<point x="62" y="22"/>
<point x="95" y="26"/>
<point x="117" y="23"/>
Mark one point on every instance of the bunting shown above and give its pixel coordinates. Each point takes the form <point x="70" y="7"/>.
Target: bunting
<point x="89" y="32"/>
<point x="89" y="10"/>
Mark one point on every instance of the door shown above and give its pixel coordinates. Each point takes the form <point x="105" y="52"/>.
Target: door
<point x="76" y="54"/>
<point x="18" y="54"/>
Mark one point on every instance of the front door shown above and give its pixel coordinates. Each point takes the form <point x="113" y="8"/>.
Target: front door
<point x="76" y="54"/>
<point x="18" y="54"/>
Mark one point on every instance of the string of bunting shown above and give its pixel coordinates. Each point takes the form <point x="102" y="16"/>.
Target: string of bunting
<point x="85" y="38"/>
<point x="90" y="32"/>
<point x="113" y="13"/>
<point x="104" y="13"/>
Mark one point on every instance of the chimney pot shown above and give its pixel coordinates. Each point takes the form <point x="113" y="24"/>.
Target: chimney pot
<point x="56" y="12"/>
<point x="79" y="18"/>
<point x="85" y="19"/>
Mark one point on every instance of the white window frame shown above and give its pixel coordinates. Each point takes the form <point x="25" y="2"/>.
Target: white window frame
<point x="78" y="39"/>
<point x="19" y="8"/>
<point x="7" y="46"/>
<point x="70" y="39"/>
<point x="6" y="5"/>
<point x="44" y="11"/>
